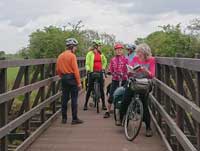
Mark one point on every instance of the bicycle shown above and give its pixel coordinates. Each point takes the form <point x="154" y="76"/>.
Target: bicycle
<point x="95" y="94"/>
<point x="133" y="117"/>
<point x="134" y="114"/>
<point x="132" y="120"/>
<point x="117" y="102"/>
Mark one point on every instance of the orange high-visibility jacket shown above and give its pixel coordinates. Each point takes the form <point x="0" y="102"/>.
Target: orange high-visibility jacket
<point x="66" y="64"/>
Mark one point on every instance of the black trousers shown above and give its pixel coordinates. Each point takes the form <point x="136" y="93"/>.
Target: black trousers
<point x="90" y="87"/>
<point x="145" y="101"/>
<point x="69" y="89"/>
<point x="113" y="87"/>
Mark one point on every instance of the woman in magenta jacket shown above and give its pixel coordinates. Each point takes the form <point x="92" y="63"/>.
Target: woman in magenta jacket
<point x="147" y="70"/>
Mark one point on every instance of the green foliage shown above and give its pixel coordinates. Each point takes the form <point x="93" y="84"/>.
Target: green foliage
<point x="171" y="40"/>
<point x="50" y="41"/>
<point x="108" y="51"/>
<point x="2" y="54"/>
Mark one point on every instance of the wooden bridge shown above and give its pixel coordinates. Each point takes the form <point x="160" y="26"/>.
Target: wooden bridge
<point x="30" y="111"/>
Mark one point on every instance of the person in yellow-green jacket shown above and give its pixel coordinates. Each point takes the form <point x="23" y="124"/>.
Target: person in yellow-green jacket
<point x="95" y="62"/>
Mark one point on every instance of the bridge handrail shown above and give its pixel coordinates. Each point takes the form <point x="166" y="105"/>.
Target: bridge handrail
<point x="47" y="85"/>
<point x="186" y="63"/>
<point x="175" y="102"/>
<point x="29" y="62"/>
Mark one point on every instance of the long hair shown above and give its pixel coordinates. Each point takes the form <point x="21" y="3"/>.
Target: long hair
<point x="145" y="49"/>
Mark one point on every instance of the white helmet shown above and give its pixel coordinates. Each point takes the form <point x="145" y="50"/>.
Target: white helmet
<point x="71" y="41"/>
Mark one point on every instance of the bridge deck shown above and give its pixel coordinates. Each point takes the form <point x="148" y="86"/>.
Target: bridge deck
<point x="96" y="134"/>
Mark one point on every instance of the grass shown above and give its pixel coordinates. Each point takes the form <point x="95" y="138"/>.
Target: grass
<point x="11" y="76"/>
<point x="12" y="73"/>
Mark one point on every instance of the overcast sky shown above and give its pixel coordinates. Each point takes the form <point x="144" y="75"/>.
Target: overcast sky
<point x="127" y="19"/>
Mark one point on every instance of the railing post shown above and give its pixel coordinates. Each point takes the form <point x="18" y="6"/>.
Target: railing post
<point x="179" y="89"/>
<point x="167" y="99"/>
<point x="42" y="77"/>
<point x="198" y="102"/>
<point x="158" y="91"/>
<point x="27" y="99"/>
<point x="54" y="87"/>
<point x="3" y="108"/>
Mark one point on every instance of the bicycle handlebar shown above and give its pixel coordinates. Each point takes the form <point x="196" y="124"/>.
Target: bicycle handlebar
<point x="103" y="71"/>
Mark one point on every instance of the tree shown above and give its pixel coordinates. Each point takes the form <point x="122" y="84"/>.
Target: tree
<point x="2" y="54"/>
<point x="50" y="41"/>
<point x="170" y="40"/>
<point x="194" y="27"/>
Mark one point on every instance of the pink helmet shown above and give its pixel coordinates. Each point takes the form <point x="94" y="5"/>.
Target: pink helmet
<point x="118" y="46"/>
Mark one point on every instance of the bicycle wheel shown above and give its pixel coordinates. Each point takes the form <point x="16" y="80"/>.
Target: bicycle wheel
<point x="133" y="119"/>
<point x="96" y="95"/>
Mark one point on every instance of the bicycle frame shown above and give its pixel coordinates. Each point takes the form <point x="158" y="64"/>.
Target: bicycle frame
<point x="96" y="93"/>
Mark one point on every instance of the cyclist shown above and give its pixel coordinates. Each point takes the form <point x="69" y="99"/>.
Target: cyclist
<point x="131" y="52"/>
<point x="147" y="70"/>
<point x="95" y="62"/>
<point x="67" y="69"/>
<point x="117" y="65"/>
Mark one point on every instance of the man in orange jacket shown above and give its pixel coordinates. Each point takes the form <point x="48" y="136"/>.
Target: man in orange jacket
<point x="67" y="69"/>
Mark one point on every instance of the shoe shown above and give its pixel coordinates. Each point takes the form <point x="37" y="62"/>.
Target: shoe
<point x="107" y="115"/>
<point x="64" y="121"/>
<point x="85" y="108"/>
<point x="149" y="133"/>
<point x="118" y="123"/>
<point x="77" y="121"/>
<point x="104" y="107"/>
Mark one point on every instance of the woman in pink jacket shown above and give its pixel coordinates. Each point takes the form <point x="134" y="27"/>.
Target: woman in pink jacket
<point x="147" y="70"/>
<point x="118" y="70"/>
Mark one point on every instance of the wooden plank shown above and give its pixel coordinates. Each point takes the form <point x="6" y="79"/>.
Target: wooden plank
<point x="186" y="63"/>
<point x="188" y="124"/>
<point x="54" y="87"/>
<point x="29" y="62"/>
<point x="37" y="133"/>
<point x="47" y="71"/>
<point x="183" y="140"/>
<point x="49" y="90"/>
<point x="192" y="139"/>
<point x="167" y="144"/>
<point x="36" y="100"/>
<point x="158" y="92"/>
<point x="3" y="109"/>
<point x="81" y="58"/>
<point x="27" y="100"/>
<point x="82" y="69"/>
<point x="187" y="105"/>
<point x="20" y="120"/>
<point x="16" y="85"/>
<point x="42" y="73"/>
<point x="35" y="75"/>
<point x="197" y="100"/>
<point x="22" y="90"/>
<point x="167" y="99"/>
<point x="26" y="62"/>
<point x="34" y="79"/>
<point x="189" y="81"/>
<point x="179" y="89"/>
<point x="58" y="87"/>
